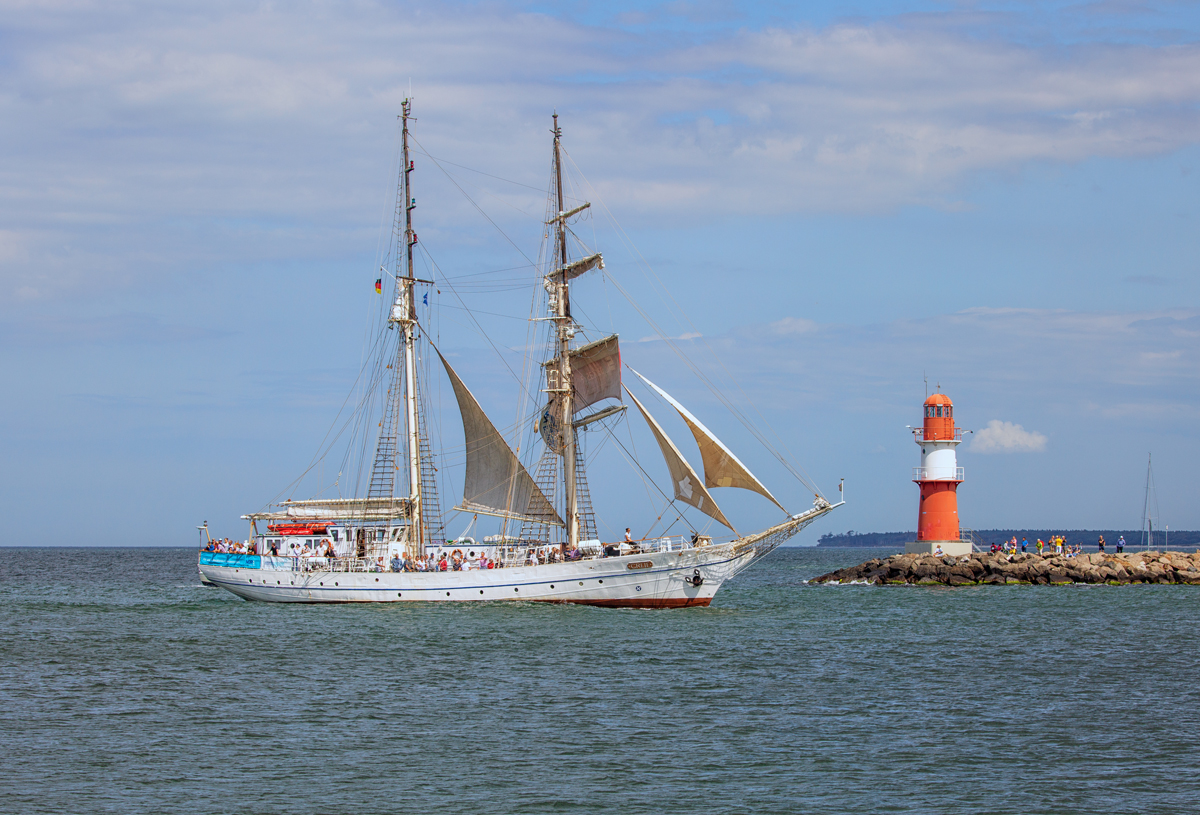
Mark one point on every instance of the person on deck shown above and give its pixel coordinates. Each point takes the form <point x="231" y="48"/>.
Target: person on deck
<point x="396" y="565"/>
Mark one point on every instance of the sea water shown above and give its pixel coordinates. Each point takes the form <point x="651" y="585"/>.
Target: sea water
<point x="127" y="687"/>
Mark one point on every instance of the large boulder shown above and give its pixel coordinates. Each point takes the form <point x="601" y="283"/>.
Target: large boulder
<point x="923" y="569"/>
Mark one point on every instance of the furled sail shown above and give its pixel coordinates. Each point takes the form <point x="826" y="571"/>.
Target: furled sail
<point x="595" y="372"/>
<point x="688" y="487"/>
<point x="721" y="467"/>
<point x="578" y="267"/>
<point x="495" y="482"/>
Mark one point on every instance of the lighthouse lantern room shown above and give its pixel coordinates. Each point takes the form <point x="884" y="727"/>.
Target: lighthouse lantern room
<point x="938" y="478"/>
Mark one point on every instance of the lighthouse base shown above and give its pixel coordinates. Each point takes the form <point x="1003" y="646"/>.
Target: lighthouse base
<point x="955" y="548"/>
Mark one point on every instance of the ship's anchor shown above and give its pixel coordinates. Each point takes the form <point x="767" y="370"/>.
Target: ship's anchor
<point x="695" y="580"/>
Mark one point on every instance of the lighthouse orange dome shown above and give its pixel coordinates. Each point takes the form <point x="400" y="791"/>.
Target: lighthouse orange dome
<point x="939" y="417"/>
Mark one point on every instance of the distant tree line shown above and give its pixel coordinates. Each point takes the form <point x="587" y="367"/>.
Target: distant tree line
<point x="986" y="537"/>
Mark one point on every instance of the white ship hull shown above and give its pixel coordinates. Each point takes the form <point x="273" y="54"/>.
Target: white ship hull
<point x="658" y="580"/>
<point x="662" y="578"/>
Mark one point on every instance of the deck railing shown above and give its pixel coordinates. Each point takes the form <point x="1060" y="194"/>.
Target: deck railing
<point x="509" y="555"/>
<point x="919" y="435"/>
<point x="922" y="474"/>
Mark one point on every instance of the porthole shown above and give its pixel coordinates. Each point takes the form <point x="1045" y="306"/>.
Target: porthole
<point x="551" y="585"/>
<point x="601" y="581"/>
<point x="481" y="591"/>
<point x="581" y="582"/>
<point x="447" y="594"/>
<point x="276" y="582"/>
<point x="398" y="594"/>
<point x="515" y="588"/>
<point x="335" y="583"/>
<point x="377" y="580"/>
<point x="251" y="580"/>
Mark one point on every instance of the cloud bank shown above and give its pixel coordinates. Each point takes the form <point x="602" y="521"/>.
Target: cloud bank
<point x="140" y="134"/>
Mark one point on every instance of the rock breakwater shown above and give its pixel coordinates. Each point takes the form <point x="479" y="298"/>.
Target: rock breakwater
<point x="987" y="568"/>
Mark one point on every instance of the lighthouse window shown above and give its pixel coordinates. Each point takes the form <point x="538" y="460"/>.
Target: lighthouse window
<point x="949" y="411"/>
<point x="939" y="410"/>
<point x="929" y="411"/>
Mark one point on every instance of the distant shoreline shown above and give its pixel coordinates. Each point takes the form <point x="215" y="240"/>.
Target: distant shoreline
<point x="985" y="537"/>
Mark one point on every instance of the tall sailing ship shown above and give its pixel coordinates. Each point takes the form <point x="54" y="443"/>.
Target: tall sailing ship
<point x="389" y="545"/>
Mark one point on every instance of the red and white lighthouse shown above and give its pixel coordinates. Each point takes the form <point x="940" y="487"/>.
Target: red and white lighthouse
<point x="938" y="477"/>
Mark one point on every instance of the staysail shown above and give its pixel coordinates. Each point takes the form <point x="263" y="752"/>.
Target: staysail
<point x="688" y="487"/>
<point x="496" y="483"/>
<point x="721" y="467"/>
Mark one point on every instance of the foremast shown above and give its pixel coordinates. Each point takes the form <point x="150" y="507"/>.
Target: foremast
<point x="404" y="380"/>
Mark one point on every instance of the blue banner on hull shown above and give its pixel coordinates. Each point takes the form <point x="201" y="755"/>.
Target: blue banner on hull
<point x="230" y="559"/>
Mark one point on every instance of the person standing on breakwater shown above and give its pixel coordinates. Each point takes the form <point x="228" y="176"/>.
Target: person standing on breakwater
<point x="1024" y="545"/>
<point x="1121" y="545"/>
<point x="1100" y="544"/>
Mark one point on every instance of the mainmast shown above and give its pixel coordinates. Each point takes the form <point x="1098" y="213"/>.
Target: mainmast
<point x="565" y="332"/>
<point x="405" y="313"/>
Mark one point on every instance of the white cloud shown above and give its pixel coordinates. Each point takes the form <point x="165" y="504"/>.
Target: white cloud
<point x="1006" y="437"/>
<point x="793" y="325"/>
<point x="689" y="335"/>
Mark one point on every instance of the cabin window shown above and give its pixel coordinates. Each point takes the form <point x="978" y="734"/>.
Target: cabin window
<point x="379" y="534"/>
<point x="334" y="533"/>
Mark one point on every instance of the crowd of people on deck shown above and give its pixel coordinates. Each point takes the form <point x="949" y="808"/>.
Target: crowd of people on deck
<point x="436" y="561"/>
<point x="225" y="545"/>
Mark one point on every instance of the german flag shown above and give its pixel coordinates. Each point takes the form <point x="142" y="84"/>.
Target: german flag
<point x="379" y="286"/>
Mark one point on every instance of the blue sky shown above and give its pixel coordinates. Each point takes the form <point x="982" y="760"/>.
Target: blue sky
<point x="843" y="198"/>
